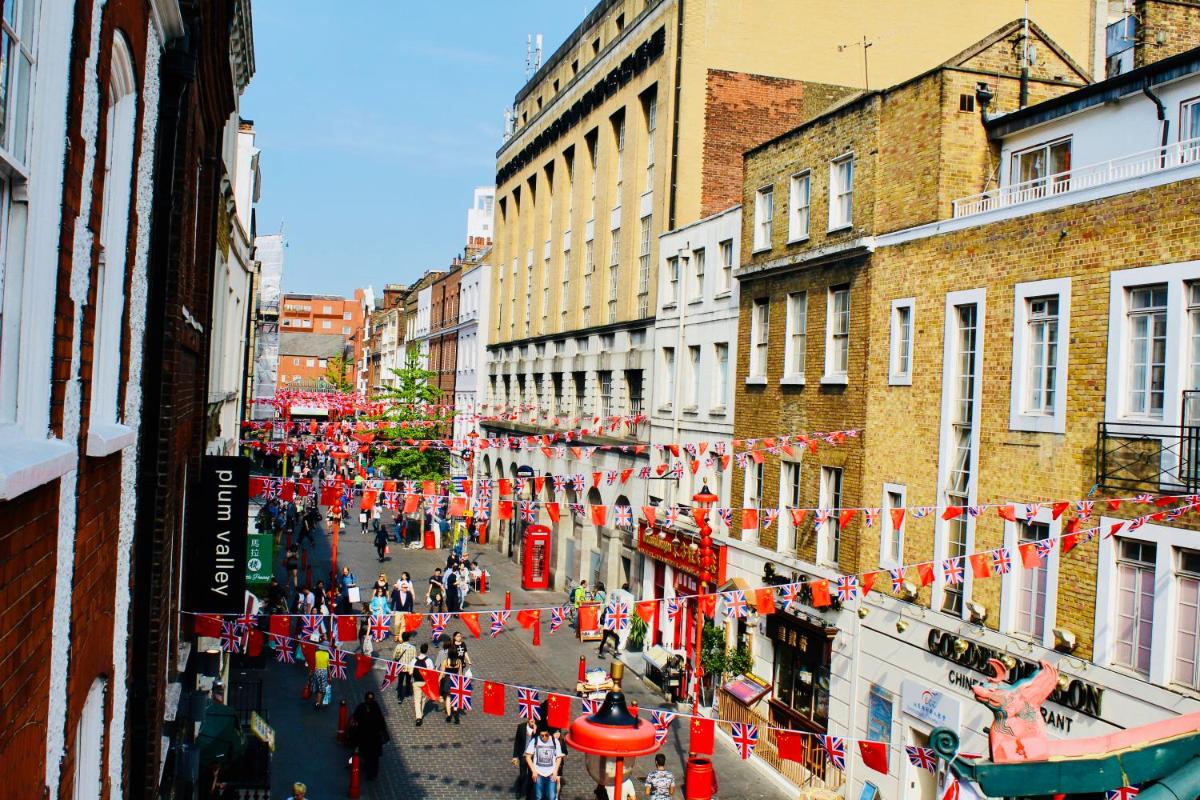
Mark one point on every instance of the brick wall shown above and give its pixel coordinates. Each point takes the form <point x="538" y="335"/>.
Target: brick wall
<point x="1177" y="22"/>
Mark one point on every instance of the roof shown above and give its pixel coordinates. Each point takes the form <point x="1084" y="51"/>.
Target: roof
<point x="1171" y="68"/>
<point x="320" y="345"/>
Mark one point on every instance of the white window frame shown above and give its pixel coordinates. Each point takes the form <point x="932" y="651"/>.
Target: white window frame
<point x="1175" y="276"/>
<point x="826" y="534"/>
<point x="695" y="355"/>
<point x="888" y="534"/>
<point x="833" y="375"/>
<point x="837" y="190"/>
<point x="721" y="381"/>
<point x="668" y="381"/>
<point x="88" y="743"/>
<point x="1010" y="583"/>
<point x="1166" y="597"/>
<point x="764" y="213"/>
<point x="1018" y="419"/>
<point x="671" y="284"/>
<point x="755" y="473"/>
<point x="696" y="290"/>
<point x="797" y="325"/>
<point x="787" y="539"/>
<point x="799" y="208"/>
<point x="760" y="336"/>
<point x="897" y="376"/>
<point x="727" y="266"/>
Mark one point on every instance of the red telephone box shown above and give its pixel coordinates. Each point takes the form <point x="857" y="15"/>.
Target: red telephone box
<point x="535" y="566"/>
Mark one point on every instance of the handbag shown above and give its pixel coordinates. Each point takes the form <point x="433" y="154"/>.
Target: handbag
<point x="387" y="549"/>
<point x="328" y="695"/>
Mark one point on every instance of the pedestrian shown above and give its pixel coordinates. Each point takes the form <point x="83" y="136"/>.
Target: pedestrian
<point x="422" y="662"/>
<point x="304" y="530"/>
<point x="402" y="594"/>
<point x="600" y="595"/>
<point x="660" y="783"/>
<point x="452" y="665"/>
<point x="523" y="785"/>
<point x="381" y="543"/>
<point x="453" y="596"/>
<point x="436" y="592"/>
<point x="347" y="580"/>
<point x="406" y="654"/>
<point x="544" y="757"/>
<point x="370" y="735"/>
<point x="320" y="678"/>
<point x="579" y="595"/>
<point x="291" y="562"/>
<point x="381" y="583"/>
<point x="299" y="791"/>
<point x="379" y="603"/>
<point x="464" y="581"/>
<point x="362" y="519"/>
<point x="607" y="633"/>
<point x="335" y="518"/>
<point x="459" y="645"/>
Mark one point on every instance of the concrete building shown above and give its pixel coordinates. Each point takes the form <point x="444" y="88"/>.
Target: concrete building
<point x="480" y="219"/>
<point x="473" y="310"/>
<point x="268" y="250"/>
<point x="634" y="126"/>
<point x="385" y="341"/>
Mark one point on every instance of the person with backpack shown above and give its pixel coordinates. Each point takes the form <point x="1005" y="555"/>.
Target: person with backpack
<point x="422" y="661"/>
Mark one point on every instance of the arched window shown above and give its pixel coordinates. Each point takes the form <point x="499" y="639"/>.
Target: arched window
<point x="106" y="435"/>
<point x="89" y="743"/>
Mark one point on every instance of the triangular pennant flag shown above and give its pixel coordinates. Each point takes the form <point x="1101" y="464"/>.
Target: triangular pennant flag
<point x="798" y="515"/>
<point x="645" y="610"/>
<point x="648" y="513"/>
<point x="868" y="581"/>
<point x="952" y="511"/>
<point x="1057" y="509"/>
<point x="411" y="621"/>
<point x="553" y="511"/>
<point x="471" y="620"/>
<point x="430" y="687"/>
<point x="749" y="519"/>
<point x="845" y="517"/>
<point x="764" y="601"/>
<point x="1008" y="512"/>
<point x="820" y="593"/>
<point x="925" y="572"/>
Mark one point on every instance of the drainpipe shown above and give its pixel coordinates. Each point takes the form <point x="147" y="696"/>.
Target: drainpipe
<point x="1024" y="99"/>
<point x="675" y="114"/>
<point x="1164" y="123"/>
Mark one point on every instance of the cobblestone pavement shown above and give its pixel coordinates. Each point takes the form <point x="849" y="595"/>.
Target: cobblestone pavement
<point x="472" y="759"/>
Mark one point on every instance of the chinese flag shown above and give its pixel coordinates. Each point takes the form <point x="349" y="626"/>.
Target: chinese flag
<point x="329" y="494"/>
<point x="505" y="509"/>
<point x="764" y="601"/>
<point x="410" y="503"/>
<point x="431" y="688"/>
<point x="471" y="620"/>
<point x="493" y="698"/>
<point x="458" y="506"/>
<point x="1114" y="504"/>
<point x="951" y="512"/>
<point x="505" y="486"/>
<point x="368" y="500"/>
<point x="749" y="519"/>
<point x="1008" y="512"/>
<point x="280" y="625"/>
<point x="1029" y="557"/>
<point x="701" y="736"/>
<point x="1058" y="509"/>
<point x="874" y="755"/>
<point x="527" y="617"/>
<point x="558" y="711"/>
<point x="798" y="515"/>
<point x="648" y="513"/>
<point x="868" y="582"/>
<point x="925" y="572"/>
<point x="309" y="650"/>
<point x="846" y="516"/>
<point x="599" y="514"/>
<point x="708" y="604"/>
<point x="552" y="510"/>
<point x="254" y="643"/>
<point x="362" y="665"/>
<point x="588" y="618"/>
<point x="347" y="628"/>
<point x="981" y="566"/>
<point x="208" y="625"/>
<point x="820" y="593"/>
<point x="427" y="488"/>
<point x="701" y="516"/>
<point x="897" y="518"/>
<point x="411" y="622"/>
<point x="1069" y="541"/>
<point x="790" y="745"/>
<point x="645" y="610"/>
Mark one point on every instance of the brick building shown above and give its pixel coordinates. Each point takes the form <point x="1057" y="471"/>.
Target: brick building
<point x="443" y="330"/>
<point x="323" y="315"/>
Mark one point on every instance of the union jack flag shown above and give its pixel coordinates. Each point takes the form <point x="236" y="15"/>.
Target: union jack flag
<point x="952" y="570"/>
<point x="735" y="604"/>
<point x="529" y="704"/>
<point x="576" y="508"/>
<point x="520" y="485"/>
<point x="1084" y="508"/>
<point x="726" y="515"/>
<point x="392" y="674"/>
<point x="1177" y="512"/>
<point x="1043" y="547"/>
<point x="921" y="757"/>
<point x="822" y="516"/>
<point x="897" y="579"/>
<point x="578" y="483"/>
<point x="869" y="516"/>
<point x="610" y="477"/>
<point x="769" y="515"/>
<point x="246" y="621"/>
<point x="498" y="618"/>
<point x="1001" y="561"/>
<point x="379" y="626"/>
<point x="791" y="593"/>
<point x="460" y="692"/>
<point x="835" y="750"/>
<point x="975" y="511"/>
<point x="231" y="638"/>
<point x="1144" y="499"/>
<point x="337" y="664"/>
<point x="283" y="650"/>
<point x="671" y="517"/>
<point x="624" y="516"/>
<point x="311" y="623"/>
<point x="920" y="512"/>
<point x="661" y="719"/>
<point x="617" y="618"/>
<point x="1123" y="793"/>
<point x="660" y="735"/>
<point x="439" y="622"/>
<point x="590" y="707"/>
<point x="557" y="617"/>
<point x="644" y="474"/>
<point x="1031" y="511"/>
<point x="560" y="484"/>
<point x="673" y="609"/>
<point x="847" y="588"/>
<point x="745" y="738"/>
<point x="528" y="511"/>
<point x="1136" y="523"/>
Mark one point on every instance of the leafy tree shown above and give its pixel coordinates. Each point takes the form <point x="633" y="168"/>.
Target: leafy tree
<point x="336" y="375"/>
<point x="414" y="388"/>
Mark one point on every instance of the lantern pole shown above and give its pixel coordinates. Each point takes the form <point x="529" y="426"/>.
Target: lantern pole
<point x="703" y="499"/>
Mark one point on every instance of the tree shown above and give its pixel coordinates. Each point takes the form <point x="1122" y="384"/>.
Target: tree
<point x="335" y="375"/>
<point x="406" y="404"/>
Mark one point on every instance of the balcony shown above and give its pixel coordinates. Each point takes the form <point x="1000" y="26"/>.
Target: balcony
<point x="1149" y="456"/>
<point x="1147" y="162"/>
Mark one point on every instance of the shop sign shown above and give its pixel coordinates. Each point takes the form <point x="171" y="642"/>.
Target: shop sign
<point x="262" y="730"/>
<point x="216" y="541"/>
<point x="260" y="553"/>
<point x="1078" y="695"/>
<point x="928" y="705"/>
<point x="678" y="550"/>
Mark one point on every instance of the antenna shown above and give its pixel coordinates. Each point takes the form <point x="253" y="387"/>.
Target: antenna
<point x="864" y="44"/>
<point x="528" y="53"/>
<point x="537" y="53"/>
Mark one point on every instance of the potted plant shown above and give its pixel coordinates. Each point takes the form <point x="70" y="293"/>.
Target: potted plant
<point x="636" y="639"/>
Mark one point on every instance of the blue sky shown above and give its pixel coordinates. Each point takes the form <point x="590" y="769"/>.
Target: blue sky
<point x="376" y="124"/>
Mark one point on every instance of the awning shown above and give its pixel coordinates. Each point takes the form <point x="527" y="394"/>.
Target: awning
<point x="220" y="737"/>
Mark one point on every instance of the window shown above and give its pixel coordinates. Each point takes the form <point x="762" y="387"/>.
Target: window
<point x="1031" y="586"/>
<point x="1035" y="165"/>
<point x="798" y="200"/>
<point x="764" y="210"/>
<point x="633" y="390"/>
<point x="309" y="362"/>
<point x="891" y="542"/>
<point x="726" y="266"/>
<point x="556" y="381"/>
<point x="789" y="494"/>
<point x="1043" y="354"/>
<point x="797" y="337"/>
<point x="323" y="363"/>
<point x="720" y="396"/>
<point x="1187" y="624"/>
<point x="605" y="379"/>
<point x="1135" y="604"/>
<point x="1147" y="350"/>
<point x="837" y="340"/>
<point x="644" y="269"/>
<point x="103" y="437"/>
<point x="841" y="193"/>
<point x="963" y="373"/>
<point x="650" y="111"/>
<point x="668" y="382"/>
<point x="347" y="316"/>
<point x="829" y="545"/>
<point x="613" y="272"/>
<point x="900" y="370"/>
<point x="1193" y="310"/>
<point x="589" y="267"/>
<point x="326" y="324"/>
<point x="579" y="379"/>
<point x="760" y="328"/>
<point x="754" y="494"/>
<point x="295" y="362"/>
<point x="1189" y="120"/>
<point x="697" y="288"/>
<point x="591" y="143"/>
<point x="1041" y="326"/>
<point x="672" y="288"/>
<point x="618" y="123"/>
<point x="345" y="330"/>
<point x="89" y="744"/>
<point x="693" y="398"/>
<point x="328" y="310"/>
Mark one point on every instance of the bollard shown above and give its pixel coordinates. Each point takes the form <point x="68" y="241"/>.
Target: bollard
<point x="355" y="780"/>
<point x="633" y="708"/>
<point x="507" y="600"/>
<point x="306" y="692"/>
<point x="483" y="582"/>
<point x="343" y="718"/>
<point x="582" y="668"/>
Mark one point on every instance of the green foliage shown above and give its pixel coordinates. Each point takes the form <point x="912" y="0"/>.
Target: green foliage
<point x="414" y="387"/>
<point x="637" y="634"/>
<point x="717" y="659"/>
<point x="336" y="374"/>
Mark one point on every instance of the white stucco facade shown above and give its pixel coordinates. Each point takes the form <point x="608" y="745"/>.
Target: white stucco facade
<point x="473" y="308"/>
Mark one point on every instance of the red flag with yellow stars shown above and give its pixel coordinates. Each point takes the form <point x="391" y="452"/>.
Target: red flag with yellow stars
<point x="493" y="698"/>
<point x="700" y="736"/>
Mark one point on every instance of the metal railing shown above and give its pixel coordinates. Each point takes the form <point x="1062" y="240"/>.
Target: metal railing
<point x="1173" y="155"/>
<point x="1151" y="456"/>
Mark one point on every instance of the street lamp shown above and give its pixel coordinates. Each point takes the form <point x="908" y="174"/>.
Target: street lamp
<point x="611" y="737"/>
<point x="703" y="499"/>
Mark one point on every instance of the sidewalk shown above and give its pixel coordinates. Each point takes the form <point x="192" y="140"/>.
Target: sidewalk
<point x="440" y="760"/>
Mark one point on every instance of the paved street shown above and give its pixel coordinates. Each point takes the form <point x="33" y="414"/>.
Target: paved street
<point x="439" y="760"/>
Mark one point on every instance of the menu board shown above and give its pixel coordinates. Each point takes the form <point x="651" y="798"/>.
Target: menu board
<point x="746" y="689"/>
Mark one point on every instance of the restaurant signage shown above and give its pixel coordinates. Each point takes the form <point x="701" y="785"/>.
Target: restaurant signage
<point x="216" y="542"/>
<point x="679" y="549"/>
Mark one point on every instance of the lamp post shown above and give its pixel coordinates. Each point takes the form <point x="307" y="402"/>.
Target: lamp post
<point x="611" y="737"/>
<point x="704" y="499"/>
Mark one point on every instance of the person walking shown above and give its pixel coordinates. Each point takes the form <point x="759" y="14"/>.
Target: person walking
<point x="402" y="594"/>
<point x="544" y="757"/>
<point x="370" y="735"/>
<point x="405" y="654"/>
<point x="299" y="791"/>
<point x="453" y="597"/>
<point x="348" y="580"/>
<point x="436" y="593"/>
<point x="523" y="785"/>
<point x="452" y="665"/>
<point x="606" y="633"/>
<point x="320" y="678"/>
<point x="363" y="519"/>
<point x="381" y="543"/>
<point x="423" y="661"/>
<point x="291" y="562"/>
<point x="660" y="783"/>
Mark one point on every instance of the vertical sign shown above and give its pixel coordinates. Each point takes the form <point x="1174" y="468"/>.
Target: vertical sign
<point x="260" y="552"/>
<point x="217" y="543"/>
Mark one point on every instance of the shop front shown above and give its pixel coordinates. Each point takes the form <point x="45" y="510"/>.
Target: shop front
<point x="803" y="653"/>
<point x="671" y="570"/>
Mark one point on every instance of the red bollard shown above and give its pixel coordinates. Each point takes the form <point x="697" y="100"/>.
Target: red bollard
<point x="633" y="708"/>
<point x="355" y="780"/>
<point x="582" y="668"/>
<point x="483" y="583"/>
<point x="507" y="600"/>
<point x="343" y="718"/>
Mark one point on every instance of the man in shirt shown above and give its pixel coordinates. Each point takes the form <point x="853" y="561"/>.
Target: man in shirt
<point x="544" y="757"/>
<point x="660" y="783"/>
